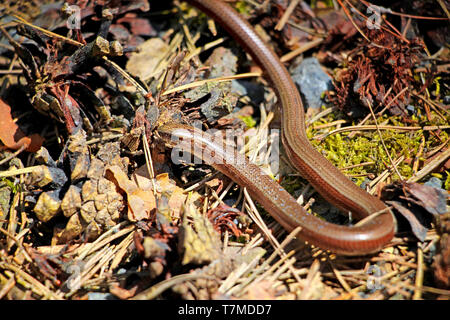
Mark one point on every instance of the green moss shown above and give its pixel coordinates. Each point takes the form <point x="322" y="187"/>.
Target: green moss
<point x="248" y="120"/>
<point x="366" y="146"/>
<point x="243" y="7"/>
<point x="447" y="181"/>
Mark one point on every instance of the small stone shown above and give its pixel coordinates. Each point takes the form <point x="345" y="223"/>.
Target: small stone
<point x="312" y="81"/>
<point x="154" y="248"/>
<point x="108" y="152"/>
<point x="434" y="182"/>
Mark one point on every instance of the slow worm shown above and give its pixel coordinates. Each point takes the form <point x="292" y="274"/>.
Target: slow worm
<point x="369" y="237"/>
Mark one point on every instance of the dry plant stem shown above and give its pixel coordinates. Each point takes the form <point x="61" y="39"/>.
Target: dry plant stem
<point x="12" y="222"/>
<point x="320" y="115"/>
<point x="154" y="291"/>
<point x="254" y="214"/>
<point x="419" y="275"/>
<point x="385" y="29"/>
<point x="433" y="164"/>
<point x="149" y="162"/>
<point x="444" y="7"/>
<point x="419" y="154"/>
<point x="380" y="127"/>
<point x="339" y="277"/>
<point x="253" y="243"/>
<point x="203" y="48"/>
<point x="288" y="264"/>
<point x="106" y="257"/>
<point x="200" y="183"/>
<point x="36" y="286"/>
<point x="17" y="242"/>
<point x="309" y="280"/>
<point x="285" y="17"/>
<point x="215" y="80"/>
<point x="105" y="238"/>
<point x="104" y="138"/>
<point x="47" y="32"/>
<point x="10" y="72"/>
<point x="122" y="250"/>
<point x="437" y="149"/>
<point x="236" y="274"/>
<point x="383" y="176"/>
<point x="219" y="199"/>
<point x="367" y="4"/>
<point x="307" y="46"/>
<point x="94" y="264"/>
<point x="347" y="13"/>
<point x="79" y="44"/>
<point x="433" y="105"/>
<point x="7" y="287"/>
<point x="13" y="155"/>
<point x="253" y="278"/>
<point x="384" y="109"/>
<point x="15" y="172"/>
<point x="327" y="125"/>
<point x="362" y="164"/>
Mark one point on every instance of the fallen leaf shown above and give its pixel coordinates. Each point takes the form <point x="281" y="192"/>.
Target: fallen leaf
<point x="416" y="226"/>
<point x="11" y="135"/>
<point x="431" y="199"/>
<point x="140" y="202"/>
<point x="164" y="184"/>
<point x="417" y="203"/>
<point x="144" y="63"/>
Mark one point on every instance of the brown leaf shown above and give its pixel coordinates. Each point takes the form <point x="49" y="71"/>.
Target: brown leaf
<point x="431" y="199"/>
<point x="140" y="202"/>
<point x="416" y="203"/>
<point x="416" y="226"/>
<point x="144" y="64"/>
<point x="11" y="135"/>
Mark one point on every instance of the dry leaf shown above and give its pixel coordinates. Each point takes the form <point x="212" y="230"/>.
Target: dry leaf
<point x="146" y="63"/>
<point x="416" y="203"/>
<point x="163" y="185"/>
<point x="140" y="202"/>
<point x="11" y="135"/>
